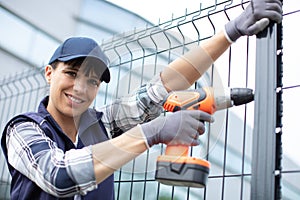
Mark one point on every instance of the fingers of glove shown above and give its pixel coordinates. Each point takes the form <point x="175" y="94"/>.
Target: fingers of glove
<point x="201" y="129"/>
<point x="275" y="16"/>
<point x="275" y="5"/>
<point x="179" y="127"/>
<point x="270" y="14"/>
<point x="193" y="139"/>
<point x="271" y="9"/>
<point x="195" y="142"/>
<point x="193" y="121"/>
<point x="196" y="125"/>
<point x="258" y="26"/>
<point x="185" y="127"/>
<point x="262" y="5"/>
<point x="185" y="138"/>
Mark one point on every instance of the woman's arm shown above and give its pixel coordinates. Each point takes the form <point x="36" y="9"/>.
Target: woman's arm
<point x="185" y="70"/>
<point x="64" y="174"/>
<point x="111" y="155"/>
<point x="36" y="156"/>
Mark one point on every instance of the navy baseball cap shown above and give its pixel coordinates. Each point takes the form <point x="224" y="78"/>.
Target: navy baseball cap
<point x="77" y="47"/>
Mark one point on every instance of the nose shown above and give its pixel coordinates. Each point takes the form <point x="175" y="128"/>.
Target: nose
<point x="80" y="85"/>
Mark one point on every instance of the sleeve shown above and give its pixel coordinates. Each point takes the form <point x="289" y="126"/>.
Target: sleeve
<point x="37" y="157"/>
<point x="143" y="105"/>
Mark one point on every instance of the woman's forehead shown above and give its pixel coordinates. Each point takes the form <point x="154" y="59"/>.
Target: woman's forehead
<point x="88" y="70"/>
<point x="90" y="67"/>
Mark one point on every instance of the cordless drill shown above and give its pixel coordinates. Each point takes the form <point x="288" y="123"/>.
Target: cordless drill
<point x="176" y="167"/>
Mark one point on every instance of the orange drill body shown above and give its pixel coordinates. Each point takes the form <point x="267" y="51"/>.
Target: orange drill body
<point x="191" y="100"/>
<point x="176" y="167"/>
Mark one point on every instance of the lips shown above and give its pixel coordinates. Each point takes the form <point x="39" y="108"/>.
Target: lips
<point x="75" y="100"/>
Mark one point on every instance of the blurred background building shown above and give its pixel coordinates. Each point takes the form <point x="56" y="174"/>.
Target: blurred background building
<point x="129" y="31"/>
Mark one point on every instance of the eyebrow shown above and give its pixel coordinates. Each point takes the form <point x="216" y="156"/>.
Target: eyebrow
<point x="88" y="71"/>
<point x="72" y="67"/>
<point x="93" y="75"/>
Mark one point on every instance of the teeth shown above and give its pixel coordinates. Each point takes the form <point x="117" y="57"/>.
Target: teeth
<point x="74" y="99"/>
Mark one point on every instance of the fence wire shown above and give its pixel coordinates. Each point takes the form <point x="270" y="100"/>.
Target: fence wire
<point x="136" y="56"/>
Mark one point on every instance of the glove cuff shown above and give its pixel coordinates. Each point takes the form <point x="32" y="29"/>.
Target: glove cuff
<point x="227" y="37"/>
<point x="144" y="136"/>
<point x="231" y="32"/>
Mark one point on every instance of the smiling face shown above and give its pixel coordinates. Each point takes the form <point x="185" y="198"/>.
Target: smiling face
<point x="73" y="87"/>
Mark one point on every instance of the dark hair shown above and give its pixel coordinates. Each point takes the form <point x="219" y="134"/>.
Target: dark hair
<point x="90" y="64"/>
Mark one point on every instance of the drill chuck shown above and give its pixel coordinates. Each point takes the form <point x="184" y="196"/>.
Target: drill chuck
<point x="241" y="96"/>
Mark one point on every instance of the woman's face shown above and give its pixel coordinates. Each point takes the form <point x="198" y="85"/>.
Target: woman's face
<point x="72" y="90"/>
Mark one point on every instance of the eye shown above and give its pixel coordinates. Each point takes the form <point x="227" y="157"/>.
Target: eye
<point x="71" y="73"/>
<point x="94" y="82"/>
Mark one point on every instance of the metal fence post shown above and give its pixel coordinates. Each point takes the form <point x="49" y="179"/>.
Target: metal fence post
<point x="264" y="136"/>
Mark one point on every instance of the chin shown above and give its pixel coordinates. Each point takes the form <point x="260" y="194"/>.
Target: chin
<point x="73" y="113"/>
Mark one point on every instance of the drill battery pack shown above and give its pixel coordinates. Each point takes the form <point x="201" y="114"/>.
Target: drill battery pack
<point x="182" y="171"/>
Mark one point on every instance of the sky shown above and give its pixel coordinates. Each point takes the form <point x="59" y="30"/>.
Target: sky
<point x="162" y="10"/>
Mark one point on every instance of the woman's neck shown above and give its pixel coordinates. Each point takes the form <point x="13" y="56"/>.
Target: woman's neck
<point x="69" y="125"/>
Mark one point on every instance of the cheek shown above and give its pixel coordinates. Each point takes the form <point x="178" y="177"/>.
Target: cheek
<point x="92" y="93"/>
<point x="58" y="85"/>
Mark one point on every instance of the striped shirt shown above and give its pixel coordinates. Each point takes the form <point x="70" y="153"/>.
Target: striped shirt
<point x="37" y="157"/>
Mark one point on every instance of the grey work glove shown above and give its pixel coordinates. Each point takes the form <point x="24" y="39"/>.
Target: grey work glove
<point x="254" y="18"/>
<point x="182" y="127"/>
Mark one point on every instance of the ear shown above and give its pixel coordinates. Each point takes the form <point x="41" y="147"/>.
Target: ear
<point x="48" y="73"/>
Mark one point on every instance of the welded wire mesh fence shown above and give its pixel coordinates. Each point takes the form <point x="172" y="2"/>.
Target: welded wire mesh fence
<point x="136" y="56"/>
<point x="19" y="92"/>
